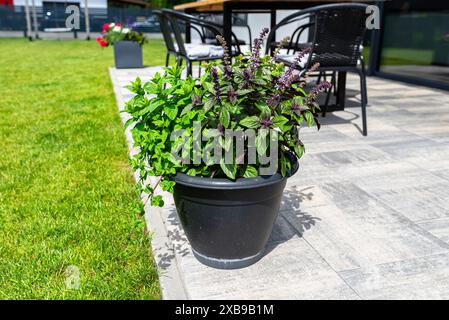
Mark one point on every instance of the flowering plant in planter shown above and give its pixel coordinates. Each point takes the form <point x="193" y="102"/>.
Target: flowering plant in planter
<point x="113" y="33"/>
<point x="224" y="145"/>
<point x="177" y="122"/>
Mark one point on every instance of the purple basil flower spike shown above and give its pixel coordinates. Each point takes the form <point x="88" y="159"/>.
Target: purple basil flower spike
<point x="257" y="45"/>
<point x="322" y="86"/>
<point x="227" y="61"/>
<point x="288" y="77"/>
<point x="274" y="100"/>
<point x="214" y="74"/>
<point x="247" y="76"/>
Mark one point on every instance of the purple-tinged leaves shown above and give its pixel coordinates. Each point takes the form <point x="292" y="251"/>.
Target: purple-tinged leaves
<point x="232" y="95"/>
<point x="266" y="122"/>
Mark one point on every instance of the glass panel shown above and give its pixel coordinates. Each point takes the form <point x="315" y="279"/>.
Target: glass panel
<point x="416" y="40"/>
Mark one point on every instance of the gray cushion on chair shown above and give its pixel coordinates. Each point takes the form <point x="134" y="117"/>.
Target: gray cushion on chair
<point x="289" y="58"/>
<point x="201" y="50"/>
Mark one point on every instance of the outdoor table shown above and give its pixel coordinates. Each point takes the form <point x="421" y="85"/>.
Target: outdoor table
<point x="228" y="7"/>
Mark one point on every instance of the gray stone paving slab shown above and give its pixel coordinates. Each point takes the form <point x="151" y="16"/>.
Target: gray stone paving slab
<point x="437" y="227"/>
<point x="421" y="278"/>
<point x="290" y="270"/>
<point x="364" y="217"/>
<point x="418" y="195"/>
<point x="356" y="230"/>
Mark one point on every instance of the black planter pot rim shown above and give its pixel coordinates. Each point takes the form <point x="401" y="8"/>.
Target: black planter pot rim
<point x="240" y="183"/>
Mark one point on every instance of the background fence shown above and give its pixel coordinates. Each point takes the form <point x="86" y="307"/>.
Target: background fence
<point x="12" y="18"/>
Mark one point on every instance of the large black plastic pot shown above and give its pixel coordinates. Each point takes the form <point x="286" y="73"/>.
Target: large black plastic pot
<point x="228" y="223"/>
<point x="127" y="54"/>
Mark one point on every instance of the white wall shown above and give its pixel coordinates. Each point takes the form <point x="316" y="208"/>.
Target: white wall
<point x="91" y="3"/>
<point x="258" y="21"/>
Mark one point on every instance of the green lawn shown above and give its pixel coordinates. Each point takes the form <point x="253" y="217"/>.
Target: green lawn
<point x="402" y="56"/>
<point x="66" y="191"/>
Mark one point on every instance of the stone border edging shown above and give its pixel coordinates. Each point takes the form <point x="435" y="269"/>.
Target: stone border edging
<point x="170" y="278"/>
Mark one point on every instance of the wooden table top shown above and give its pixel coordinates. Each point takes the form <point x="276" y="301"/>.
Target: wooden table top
<point x="217" y="5"/>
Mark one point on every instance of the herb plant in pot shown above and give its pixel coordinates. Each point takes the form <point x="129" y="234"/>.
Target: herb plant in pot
<point x="224" y="145"/>
<point x="127" y="45"/>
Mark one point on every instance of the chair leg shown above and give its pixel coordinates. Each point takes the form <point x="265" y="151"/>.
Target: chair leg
<point x="179" y="61"/>
<point x="319" y="78"/>
<point x="199" y="69"/>
<point x="189" y="67"/>
<point x="362" y="64"/>
<point x="167" y="59"/>
<point x="363" y="101"/>
<point x="334" y="82"/>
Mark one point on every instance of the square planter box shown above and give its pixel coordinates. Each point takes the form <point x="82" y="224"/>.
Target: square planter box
<point x="441" y="54"/>
<point x="127" y="54"/>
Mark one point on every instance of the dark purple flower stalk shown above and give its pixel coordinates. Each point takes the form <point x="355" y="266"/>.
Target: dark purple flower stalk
<point x="226" y="57"/>
<point x="301" y="55"/>
<point x="257" y="44"/>
<point x="254" y="60"/>
<point x="311" y="70"/>
<point x="247" y="76"/>
<point x="214" y="74"/>
<point x="274" y="100"/>
<point x="281" y="45"/>
<point x="319" y="88"/>
<point x="287" y="78"/>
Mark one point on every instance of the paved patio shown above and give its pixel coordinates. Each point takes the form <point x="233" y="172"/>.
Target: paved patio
<point x="364" y="218"/>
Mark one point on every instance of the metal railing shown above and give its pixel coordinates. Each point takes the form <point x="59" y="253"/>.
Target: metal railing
<point x="12" y="18"/>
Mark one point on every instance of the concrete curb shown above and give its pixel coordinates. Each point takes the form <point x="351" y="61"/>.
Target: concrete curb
<point x="170" y="277"/>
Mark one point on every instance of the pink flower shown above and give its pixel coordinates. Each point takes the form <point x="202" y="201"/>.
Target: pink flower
<point x="103" y="43"/>
<point x="105" y="27"/>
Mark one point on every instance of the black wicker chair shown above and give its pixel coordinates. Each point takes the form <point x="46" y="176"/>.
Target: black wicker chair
<point x="338" y="32"/>
<point x="166" y="33"/>
<point x="174" y="21"/>
<point x="305" y="22"/>
<point x="237" y="20"/>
